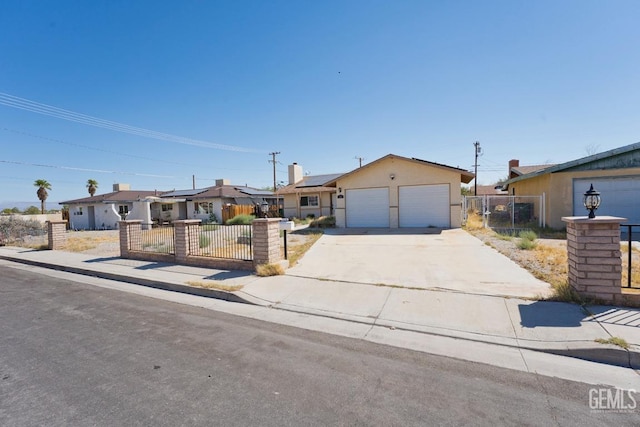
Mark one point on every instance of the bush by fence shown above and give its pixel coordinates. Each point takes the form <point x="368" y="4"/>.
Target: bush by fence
<point x="18" y="231"/>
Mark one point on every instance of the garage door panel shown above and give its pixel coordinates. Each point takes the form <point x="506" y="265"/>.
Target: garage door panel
<point x="619" y="197"/>
<point x="424" y="206"/>
<point x="368" y="207"/>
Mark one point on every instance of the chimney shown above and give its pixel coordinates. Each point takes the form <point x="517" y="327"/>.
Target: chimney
<point x="221" y="182"/>
<point x="513" y="163"/>
<point x="121" y="187"/>
<point x="295" y="173"/>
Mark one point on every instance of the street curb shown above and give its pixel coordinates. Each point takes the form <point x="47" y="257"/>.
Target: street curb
<point x="599" y="353"/>
<point x="174" y="287"/>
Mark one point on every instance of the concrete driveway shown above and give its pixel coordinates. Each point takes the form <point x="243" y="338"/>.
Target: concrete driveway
<point x="417" y="258"/>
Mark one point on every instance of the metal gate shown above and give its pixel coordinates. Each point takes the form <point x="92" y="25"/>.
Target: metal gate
<point x="506" y="212"/>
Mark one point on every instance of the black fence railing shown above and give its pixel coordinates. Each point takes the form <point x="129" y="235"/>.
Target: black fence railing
<point x="626" y="233"/>
<point x="224" y="241"/>
<point x="159" y="239"/>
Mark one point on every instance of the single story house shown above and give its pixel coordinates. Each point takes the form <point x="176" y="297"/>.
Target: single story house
<point x="105" y="210"/>
<point x="307" y="195"/>
<point x="154" y="207"/>
<point x="396" y="191"/>
<point x="614" y="173"/>
<point x="207" y="203"/>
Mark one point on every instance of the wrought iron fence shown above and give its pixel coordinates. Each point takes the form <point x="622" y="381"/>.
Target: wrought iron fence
<point x="224" y="241"/>
<point x="632" y="277"/>
<point x="159" y="239"/>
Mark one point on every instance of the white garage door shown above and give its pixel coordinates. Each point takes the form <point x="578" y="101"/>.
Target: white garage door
<point x="620" y="197"/>
<point x="368" y="207"/>
<point x="424" y="206"/>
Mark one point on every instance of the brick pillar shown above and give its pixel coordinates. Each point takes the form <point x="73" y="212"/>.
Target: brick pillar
<point x="57" y="234"/>
<point x="187" y="238"/>
<point x="266" y="241"/>
<point x="130" y="236"/>
<point x="595" y="263"/>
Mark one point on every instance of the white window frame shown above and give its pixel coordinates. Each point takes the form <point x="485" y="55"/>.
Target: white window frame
<point x="309" y="203"/>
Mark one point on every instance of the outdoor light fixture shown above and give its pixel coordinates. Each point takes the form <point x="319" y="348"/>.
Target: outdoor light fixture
<point x="392" y="176"/>
<point x="591" y="201"/>
<point x="264" y="208"/>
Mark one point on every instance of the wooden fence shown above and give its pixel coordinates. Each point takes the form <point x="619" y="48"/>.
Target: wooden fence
<point x="229" y="211"/>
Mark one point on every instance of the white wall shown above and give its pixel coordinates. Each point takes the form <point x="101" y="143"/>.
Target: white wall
<point x="40" y="218"/>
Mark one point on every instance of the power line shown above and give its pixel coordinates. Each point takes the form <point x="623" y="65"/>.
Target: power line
<point x="118" y="153"/>
<point x="48" y="110"/>
<point x="85" y="169"/>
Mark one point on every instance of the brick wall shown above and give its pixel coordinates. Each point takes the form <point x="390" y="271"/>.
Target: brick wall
<point x="57" y="234"/>
<point x="595" y="264"/>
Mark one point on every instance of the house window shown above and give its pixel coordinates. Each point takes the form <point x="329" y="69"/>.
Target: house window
<point x="309" y="201"/>
<point x="205" y="208"/>
<point x="167" y="207"/>
<point x="123" y="209"/>
<point x="79" y="211"/>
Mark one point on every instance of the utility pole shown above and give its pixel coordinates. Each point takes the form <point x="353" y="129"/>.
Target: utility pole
<point x="193" y="177"/>
<point x="478" y="152"/>
<point x="275" y="189"/>
<point x="359" y="159"/>
<point x="273" y="160"/>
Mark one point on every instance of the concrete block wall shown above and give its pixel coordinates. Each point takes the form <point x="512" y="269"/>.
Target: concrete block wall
<point x="57" y="234"/>
<point x="594" y="256"/>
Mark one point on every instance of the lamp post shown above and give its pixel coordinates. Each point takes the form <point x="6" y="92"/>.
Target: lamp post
<point x="264" y="208"/>
<point x="591" y="201"/>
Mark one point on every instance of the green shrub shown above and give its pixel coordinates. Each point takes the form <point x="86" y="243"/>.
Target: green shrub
<point x="242" y="219"/>
<point x="526" y="244"/>
<point x="528" y="235"/>
<point x="210" y="227"/>
<point x="204" y="240"/>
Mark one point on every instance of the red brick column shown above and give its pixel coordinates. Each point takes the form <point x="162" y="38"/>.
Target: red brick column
<point x="266" y="241"/>
<point x="57" y="234"/>
<point x="595" y="263"/>
<point x="130" y="236"/>
<point x="187" y="237"/>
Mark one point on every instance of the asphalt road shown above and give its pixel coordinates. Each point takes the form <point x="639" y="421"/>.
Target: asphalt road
<point x="75" y="354"/>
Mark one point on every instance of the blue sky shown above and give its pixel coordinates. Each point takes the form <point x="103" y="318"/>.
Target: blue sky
<point x="322" y="82"/>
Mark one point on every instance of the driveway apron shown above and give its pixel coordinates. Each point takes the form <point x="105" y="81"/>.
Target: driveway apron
<point x="418" y="258"/>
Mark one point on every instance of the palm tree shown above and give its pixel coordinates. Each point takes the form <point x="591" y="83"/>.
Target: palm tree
<point x="43" y="185"/>
<point x="92" y="186"/>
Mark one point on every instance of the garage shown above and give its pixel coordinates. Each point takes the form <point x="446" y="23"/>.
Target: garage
<point x="619" y="196"/>
<point x="424" y="206"/>
<point x="368" y="207"/>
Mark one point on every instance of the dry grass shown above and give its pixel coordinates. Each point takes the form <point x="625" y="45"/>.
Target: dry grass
<point x="266" y="270"/>
<point x="212" y="284"/>
<point x="84" y="242"/>
<point x="620" y="342"/>
<point x="297" y="250"/>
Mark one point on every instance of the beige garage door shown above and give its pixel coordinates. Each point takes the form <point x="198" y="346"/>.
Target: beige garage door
<point x="368" y="207"/>
<point x="424" y="206"/>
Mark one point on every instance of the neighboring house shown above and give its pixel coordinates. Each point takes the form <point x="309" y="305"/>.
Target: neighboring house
<point x="615" y="173"/>
<point x="396" y="191"/>
<point x="489" y="190"/>
<point x="202" y="203"/>
<point x="307" y="195"/>
<point x="105" y="210"/>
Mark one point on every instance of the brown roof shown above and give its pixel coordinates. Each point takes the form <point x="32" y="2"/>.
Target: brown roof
<point x="292" y="189"/>
<point x="115" y="196"/>
<point x="523" y="170"/>
<point x="488" y="190"/>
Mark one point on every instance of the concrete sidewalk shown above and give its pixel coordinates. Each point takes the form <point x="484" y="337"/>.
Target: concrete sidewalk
<point x="550" y="327"/>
